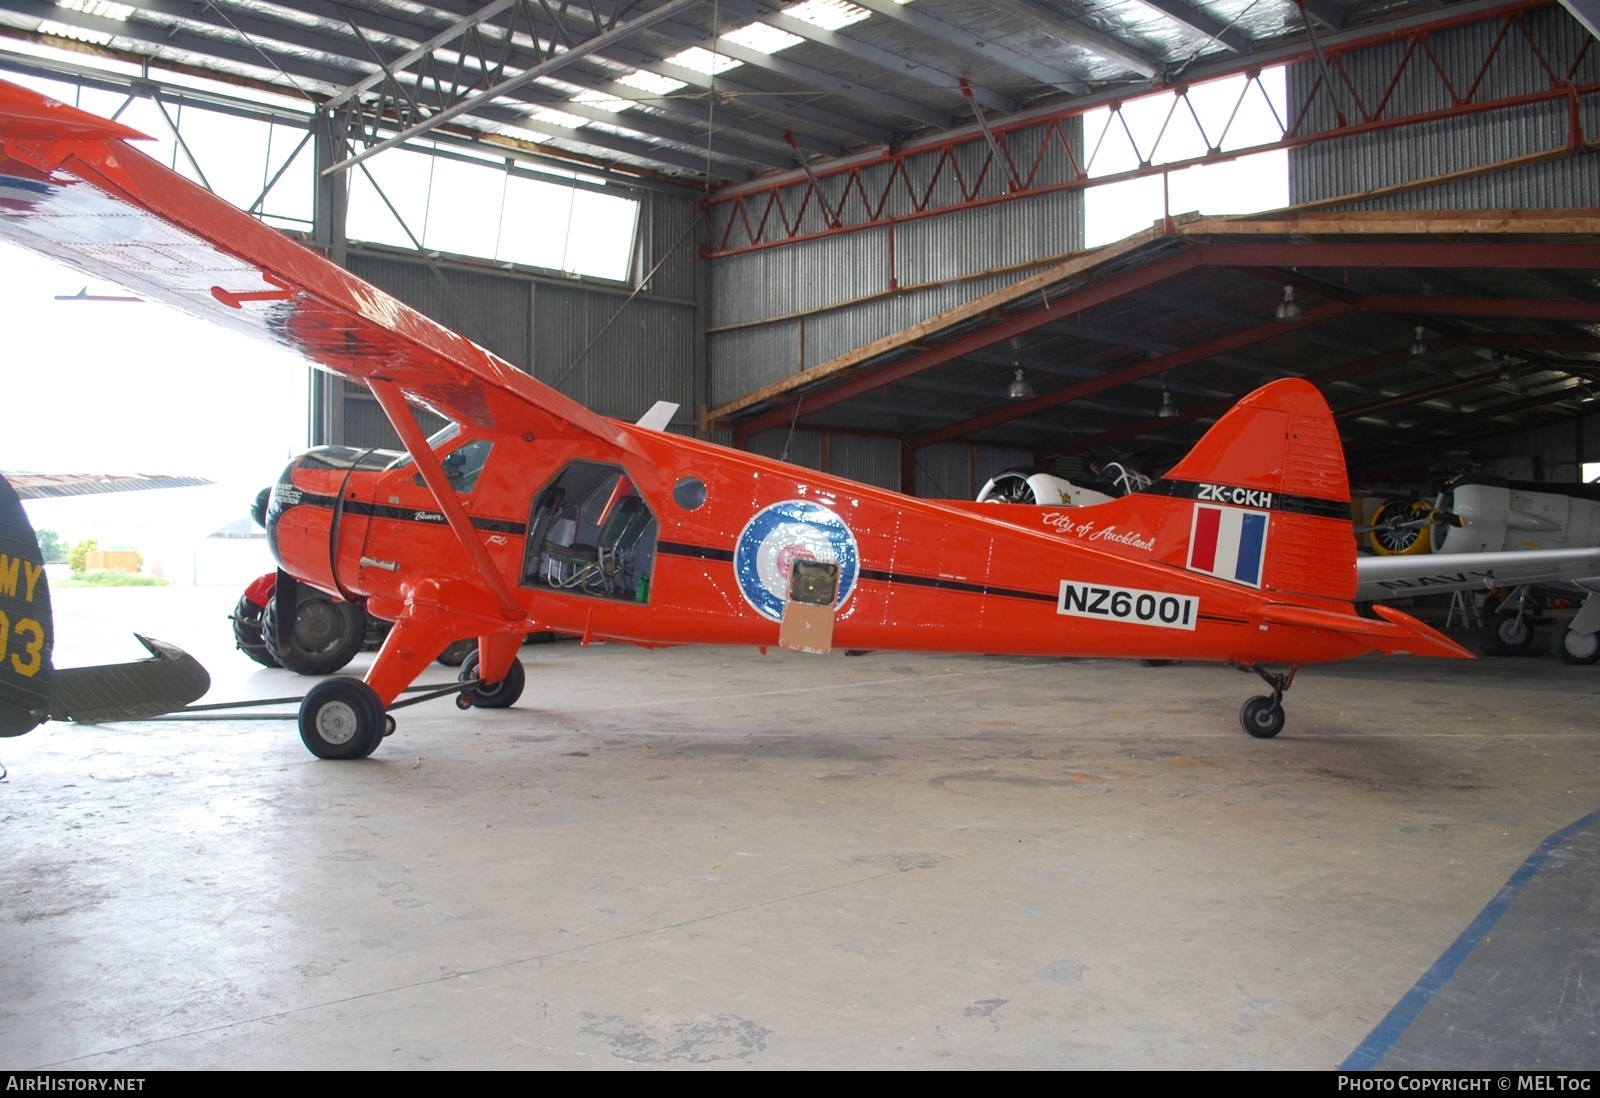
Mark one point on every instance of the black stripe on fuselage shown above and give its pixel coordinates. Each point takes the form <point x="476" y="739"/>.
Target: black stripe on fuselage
<point x="408" y="514"/>
<point x="943" y="584"/>
<point x="1256" y="498"/>
<point x="703" y="552"/>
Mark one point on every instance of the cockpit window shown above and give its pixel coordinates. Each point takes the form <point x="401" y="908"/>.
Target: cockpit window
<point x="463" y="465"/>
<point x="435" y="441"/>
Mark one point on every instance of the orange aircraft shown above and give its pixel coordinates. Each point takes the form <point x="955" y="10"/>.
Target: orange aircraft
<point x="530" y="512"/>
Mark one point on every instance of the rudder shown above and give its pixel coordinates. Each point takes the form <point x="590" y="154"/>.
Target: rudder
<point x="1270" y="498"/>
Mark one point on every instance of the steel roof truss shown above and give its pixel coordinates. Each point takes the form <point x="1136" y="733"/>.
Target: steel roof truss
<point x="553" y="61"/>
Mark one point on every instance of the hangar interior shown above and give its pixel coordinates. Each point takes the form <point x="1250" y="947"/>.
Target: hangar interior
<point x="880" y="240"/>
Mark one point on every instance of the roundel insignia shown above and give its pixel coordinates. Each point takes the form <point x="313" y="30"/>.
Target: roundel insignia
<point x="781" y="534"/>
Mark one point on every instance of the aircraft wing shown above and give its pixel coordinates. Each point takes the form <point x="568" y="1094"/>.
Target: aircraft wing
<point x="73" y="188"/>
<point x="52" y="485"/>
<point x="1395" y="577"/>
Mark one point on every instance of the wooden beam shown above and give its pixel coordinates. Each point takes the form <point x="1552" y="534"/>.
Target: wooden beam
<point x="1222" y="344"/>
<point x="1006" y="295"/>
<point x="1051" y="311"/>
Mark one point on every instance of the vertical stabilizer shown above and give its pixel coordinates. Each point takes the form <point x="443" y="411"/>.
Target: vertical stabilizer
<point x="1265" y="498"/>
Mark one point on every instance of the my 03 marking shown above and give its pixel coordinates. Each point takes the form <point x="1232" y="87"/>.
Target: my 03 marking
<point x="1159" y="608"/>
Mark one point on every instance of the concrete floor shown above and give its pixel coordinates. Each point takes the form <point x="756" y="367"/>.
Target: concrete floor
<point x="712" y="858"/>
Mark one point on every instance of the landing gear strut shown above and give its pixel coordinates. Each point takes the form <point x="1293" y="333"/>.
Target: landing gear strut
<point x="1262" y="716"/>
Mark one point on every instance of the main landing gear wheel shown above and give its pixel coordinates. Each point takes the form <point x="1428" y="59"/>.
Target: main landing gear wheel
<point x="325" y="636"/>
<point x="247" y="631"/>
<point x="1578" y="648"/>
<point x="491" y="695"/>
<point x="1262" y="717"/>
<point x="342" y="719"/>
<point x="1510" y="631"/>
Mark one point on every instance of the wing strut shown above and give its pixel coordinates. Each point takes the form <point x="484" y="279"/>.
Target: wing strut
<point x="395" y="407"/>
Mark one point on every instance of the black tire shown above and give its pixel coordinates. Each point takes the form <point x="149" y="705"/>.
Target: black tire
<point x="496" y="695"/>
<point x="457" y="652"/>
<point x="376" y="631"/>
<point x="1261" y="717"/>
<point x="1575" y="648"/>
<point x="342" y="719"/>
<point x="327" y="633"/>
<point x="1510" y="633"/>
<point x="247" y="631"/>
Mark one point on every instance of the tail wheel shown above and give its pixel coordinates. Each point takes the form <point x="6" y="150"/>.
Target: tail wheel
<point x="325" y="636"/>
<point x="342" y="719"/>
<point x="247" y="631"/>
<point x="1262" y="717"/>
<point x="1579" y="648"/>
<point x="492" y="695"/>
<point x="1394" y="535"/>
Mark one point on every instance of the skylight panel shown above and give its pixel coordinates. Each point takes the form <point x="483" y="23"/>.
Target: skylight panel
<point x="651" y="82"/>
<point x="828" y="14"/>
<point x="103" y="8"/>
<point x="531" y="136"/>
<point x="762" y="38"/>
<point x="551" y="116"/>
<point x="601" y="101"/>
<point x="77" y="34"/>
<point x="702" y="60"/>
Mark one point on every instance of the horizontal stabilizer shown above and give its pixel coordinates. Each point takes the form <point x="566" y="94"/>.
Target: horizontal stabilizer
<point x="1397" y="634"/>
<point x="169" y="680"/>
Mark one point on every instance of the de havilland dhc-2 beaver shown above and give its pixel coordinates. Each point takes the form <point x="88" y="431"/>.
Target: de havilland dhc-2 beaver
<point x="530" y="512"/>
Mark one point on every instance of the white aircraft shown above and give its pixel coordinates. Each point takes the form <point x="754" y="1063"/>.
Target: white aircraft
<point x="1486" y="533"/>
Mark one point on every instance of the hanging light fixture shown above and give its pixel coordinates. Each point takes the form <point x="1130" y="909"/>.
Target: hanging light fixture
<point x="1289" y="308"/>
<point x="1019" y="389"/>
<point x="1420" y="345"/>
<point x="1506" y="373"/>
<point x="1167" y="410"/>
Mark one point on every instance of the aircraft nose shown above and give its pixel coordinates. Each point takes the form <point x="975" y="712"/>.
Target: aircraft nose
<point x="273" y="502"/>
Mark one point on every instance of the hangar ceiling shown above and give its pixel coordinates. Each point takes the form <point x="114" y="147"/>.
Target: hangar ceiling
<point x="699" y="90"/>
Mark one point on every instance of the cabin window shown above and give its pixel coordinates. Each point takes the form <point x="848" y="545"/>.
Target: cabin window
<point x="690" y="493"/>
<point x="590" y="533"/>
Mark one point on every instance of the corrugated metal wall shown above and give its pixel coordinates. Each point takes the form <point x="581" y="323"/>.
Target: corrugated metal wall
<point x="948" y="471"/>
<point x="955" y="471"/>
<point x="1557" y="450"/>
<point x="1362" y="163"/>
<point x="574" y="335"/>
<point x="778" y="310"/>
